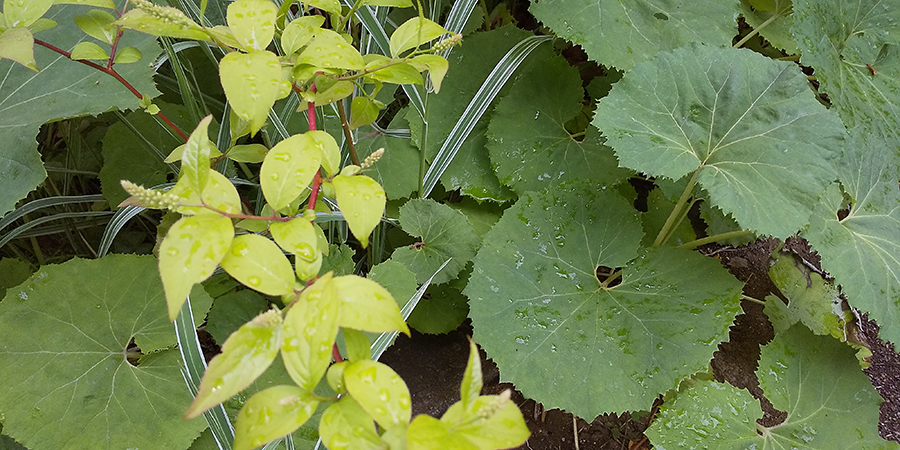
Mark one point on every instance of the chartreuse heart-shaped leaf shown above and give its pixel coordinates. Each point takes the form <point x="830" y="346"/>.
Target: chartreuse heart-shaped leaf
<point x="299" y="31"/>
<point x="252" y="82"/>
<point x="96" y="23"/>
<point x="67" y="382"/>
<point x="189" y="254"/>
<point x="413" y="33"/>
<point x="811" y="300"/>
<point x="24" y="13"/>
<point x="748" y="124"/>
<point x="310" y="328"/>
<point x="814" y="379"/>
<point x="570" y="341"/>
<point x="329" y="50"/>
<point x="862" y="250"/>
<point x="245" y="356"/>
<point x="445" y="234"/>
<point x="258" y="263"/>
<point x="271" y="414"/>
<point x="288" y="169"/>
<point x="195" y="157"/>
<point x="17" y="44"/>
<point x="853" y="46"/>
<point x="380" y="392"/>
<point x="366" y="306"/>
<point x="362" y="201"/>
<point x="627" y="32"/>
<point x="527" y="136"/>
<point x="252" y="23"/>
<point x="298" y="236"/>
<point x="218" y="194"/>
<point x="346" y="426"/>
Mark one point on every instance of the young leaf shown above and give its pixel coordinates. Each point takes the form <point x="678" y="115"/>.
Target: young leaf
<point x="329" y="50"/>
<point x="346" y="426"/>
<point x="190" y="252"/>
<point x="163" y="21"/>
<point x="17" y="44"/>
<point x="363" y="111"/>
<point x="248" y="153"/>
<point x="362" y="201"/>
<point x="428" y="433"/>
<point x="493" y="421"/>
<point x="310" y="328"/>
<point x="367" y="306"/>
<point x="20" y="14"/>
<point x="470" y="389"/>
<point x="297" y="33"/>
<point x="271" y="414"/>
<point x="288" y="169"/>
<point x="749" y="124"/>
<point x="195" y="157"/>
<point x="357" y="344"/>
<point x="331" y="6"/>
<point x="413" y="33"/>
<point x="632" y="31"/>
<point x="437" y="67"/>
<point x="252" y="82"/>
<point x="245" y="356"/>
<point x="335" y="376"/>
<point x="89" y="50"/>
<point x="297" y="236"/>
<point x="96" y="23"/>
<point x="98" y="3"/>
<point x="253" y="23"/>
<point x="331" y="152"/>
<point x="444" y="233"/>
<point x="398" y="74"/>
<point x="258" y="263"/>
<point x="219" y="194"/>
<point x="564" y="338"/>
<point x="380" y="392"/>
<point x="128" y="55"/>
<point x="68" y="328"/>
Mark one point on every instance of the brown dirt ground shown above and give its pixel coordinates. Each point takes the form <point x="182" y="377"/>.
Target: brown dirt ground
<point x="433" y="366"/>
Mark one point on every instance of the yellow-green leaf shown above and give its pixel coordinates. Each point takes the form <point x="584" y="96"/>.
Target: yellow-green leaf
<point x="398" y="74"/>
<point x="397" y="3"/>
<point x="22" y="13"/>
<point x="271" y="414"/>
<point x="288" y="169"/>
<point x="246" y="354"/>
<point x="367" y="306"/>
<point x="363" y="111"/>
<point x="413" y="33"/>
<point x="89" y="50"/>
<point x="346" y="426"/>
<point x="500" y="423"/>
<point x="471" y="385"/>
<point x="380" y="392"/>
<point x="339" y="90"/>
<point x="362" y="201"/>
<point x="310" y="328"/>
<point x="177" y="24"/>
<point x="189" y="254"/>
<point x="17" y="44"/>
<point x="335" y="376"/>
<point x="436" y="65"/>
<point x="195" y="157"/>
<point x="332" y="6"/>
<point x="178" y="152"/>
<point x="253" y="23"/>
<point x="258" y="263"/>
<point x="99" y="3"/>
<point x="357" y="344"/>
<point x="297" y="33"/>
<point x="331" y="152"/>
<point x="219" y="194"/>
<point x="297" y="236"/>
<point x="97" y="24"/>
<point x="427" y="433"/>
<point x="128" y="55"/>
<point x="248" y="153"/>
<point x="329" y="50"/>
<point x="38" y="25"/>
<point x="252" y="82"/>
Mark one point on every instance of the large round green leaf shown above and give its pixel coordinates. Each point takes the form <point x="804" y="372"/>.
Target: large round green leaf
<point x="626" y="32"/>
<point x="67" y="383"/>
<point x="750" y="124"/>
<point x="529" y="144"/>
<point x="540" y="312"/>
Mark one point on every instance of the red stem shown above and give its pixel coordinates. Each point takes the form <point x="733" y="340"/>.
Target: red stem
<point x="335" y="353"/>
<point x="317" y="180"/>
<point x="112" y="72"/>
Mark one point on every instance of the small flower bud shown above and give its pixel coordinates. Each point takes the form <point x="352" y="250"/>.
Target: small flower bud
<point x="447" y="43"/>
<point x="148" y="198"/>
<point x="372" y="158"/>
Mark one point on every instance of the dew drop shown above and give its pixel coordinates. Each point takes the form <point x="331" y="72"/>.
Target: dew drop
<point x="254" y="281"/>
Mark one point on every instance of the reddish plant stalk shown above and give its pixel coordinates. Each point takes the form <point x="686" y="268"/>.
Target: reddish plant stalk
<point x="112" y="72"/>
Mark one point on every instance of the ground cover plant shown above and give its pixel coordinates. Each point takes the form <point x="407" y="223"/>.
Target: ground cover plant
<point x="303" y="179"/>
